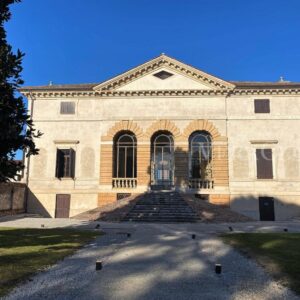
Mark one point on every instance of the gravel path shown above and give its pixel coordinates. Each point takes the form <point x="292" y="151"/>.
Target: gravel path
<point x="158" y="261"/>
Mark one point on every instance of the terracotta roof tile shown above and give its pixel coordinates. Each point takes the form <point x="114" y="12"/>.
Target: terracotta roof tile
<point x="60" y="87"/>
<point x="265" y="85"/>
<point x="90" y="86"/>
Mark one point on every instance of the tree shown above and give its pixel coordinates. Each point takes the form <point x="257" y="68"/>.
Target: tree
<point x="16" y="128"/>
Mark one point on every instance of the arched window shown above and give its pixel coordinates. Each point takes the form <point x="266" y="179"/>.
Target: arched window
<point x="200" y="155"/>
<point x="163" y="140"/>
<point x="162" y="159"/>
<point x="125" y="155"/>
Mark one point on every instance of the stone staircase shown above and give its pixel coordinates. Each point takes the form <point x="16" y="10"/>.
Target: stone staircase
<point x="165" y="207"/>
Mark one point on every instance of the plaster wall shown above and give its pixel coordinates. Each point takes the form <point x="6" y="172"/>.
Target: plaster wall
<point x="234" y="118"/>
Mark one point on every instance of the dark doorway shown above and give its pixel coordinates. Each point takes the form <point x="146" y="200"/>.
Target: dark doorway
<point x="62" y="209"/>
<point x="266" y="208"/>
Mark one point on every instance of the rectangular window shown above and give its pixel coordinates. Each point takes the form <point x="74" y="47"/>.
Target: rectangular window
<point x="262" y="106"/>
<point x="67" y="108"/>
<point x="65" y="163"/>
<point x="264" y="164"/>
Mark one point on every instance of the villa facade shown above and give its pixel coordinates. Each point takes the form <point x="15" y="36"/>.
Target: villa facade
<point x="166" y="125"/>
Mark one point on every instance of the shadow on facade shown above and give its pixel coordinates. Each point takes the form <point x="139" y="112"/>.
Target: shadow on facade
<point x="112" y="212"/>
<point x="34" y="206"/>
<point x="247" y="205"/>
<point x="266" y="207"/>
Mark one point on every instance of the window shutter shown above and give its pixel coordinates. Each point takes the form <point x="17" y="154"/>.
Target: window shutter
<point x="262" y="106"/>
<point x="67" y="108"/>
<point x="266" y="106"/>
<point x="72" y="163"/>
<point x="59" y="163"/>
<point x="264" y="163"/>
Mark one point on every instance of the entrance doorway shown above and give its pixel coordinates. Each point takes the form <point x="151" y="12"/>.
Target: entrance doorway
<point x="62" y="209"/>
<point x="162" y="161"/>
<point x="266" y="209"/>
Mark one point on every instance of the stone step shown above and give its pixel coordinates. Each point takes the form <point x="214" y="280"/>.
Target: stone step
<point x="167" y="212"/>
<point x="140" y="212"/>
<point x="162" y="220"/>
<point x="170" y="201"/>
<point x="160" y="216"/>
<point x="161" y="207"/>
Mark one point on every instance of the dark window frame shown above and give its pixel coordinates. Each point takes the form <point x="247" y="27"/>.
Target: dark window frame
<point x="65" y="163"/>
<point x="264" y="163"/>
<point x="200" y="155"/>
<point x="125" y="155"/>
<point x="262" y="106"/>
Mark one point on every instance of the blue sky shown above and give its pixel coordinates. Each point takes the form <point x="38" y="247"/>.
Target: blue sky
<point x="77" y="41"/>
<point x="81" y="41"/>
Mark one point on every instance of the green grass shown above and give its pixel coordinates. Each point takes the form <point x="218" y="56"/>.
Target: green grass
<point x="23" y="252"/>
<point x="279" y="253"/>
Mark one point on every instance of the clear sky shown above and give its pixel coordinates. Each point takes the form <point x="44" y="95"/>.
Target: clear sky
<point x="82" y="41"/>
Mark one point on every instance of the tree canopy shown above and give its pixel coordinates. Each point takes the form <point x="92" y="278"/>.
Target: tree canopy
<point x="16" y="127"/>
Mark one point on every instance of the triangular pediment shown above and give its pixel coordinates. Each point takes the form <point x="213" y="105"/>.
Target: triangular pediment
<point x="164" y="73"/>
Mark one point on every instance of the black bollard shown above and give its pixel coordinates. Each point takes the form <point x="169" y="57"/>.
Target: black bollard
<point x="285" y="230"/>
<point x="128" y="235"/>
<point x="218" y="268"/>
<point x="193" y="236"/>
<point x="98" y="265"/>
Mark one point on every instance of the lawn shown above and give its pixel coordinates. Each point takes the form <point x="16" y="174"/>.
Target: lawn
<point x="23" y="252"/>
<point x="279" y="253"/>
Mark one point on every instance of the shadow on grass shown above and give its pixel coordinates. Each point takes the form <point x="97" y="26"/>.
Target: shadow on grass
<point x="26" y="251"/>
<point x="277" y="252"/>
<point x="166" y="264"/>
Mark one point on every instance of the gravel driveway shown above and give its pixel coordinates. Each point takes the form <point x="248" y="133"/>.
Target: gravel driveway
<point x="158" y="261"/>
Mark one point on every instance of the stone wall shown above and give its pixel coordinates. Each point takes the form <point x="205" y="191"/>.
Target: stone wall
<point x="12" y="198"/>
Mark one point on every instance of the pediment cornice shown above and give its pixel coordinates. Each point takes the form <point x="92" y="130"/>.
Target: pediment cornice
<point x="166" y="62"/>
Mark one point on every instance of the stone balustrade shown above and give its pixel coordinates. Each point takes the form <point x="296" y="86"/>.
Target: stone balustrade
<point x="197" y="183"/>
<point x="128" y="183"/>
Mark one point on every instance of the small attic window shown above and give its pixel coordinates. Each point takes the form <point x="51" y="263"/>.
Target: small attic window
<point x="163" y="75"/>
<point x="67" y="108"/>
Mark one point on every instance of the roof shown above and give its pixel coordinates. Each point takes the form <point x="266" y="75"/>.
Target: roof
<point x="162" y="60"/>
<point x="265" y="85"/>
<point x="60" y="87"/>
<point x="90" y="86"/>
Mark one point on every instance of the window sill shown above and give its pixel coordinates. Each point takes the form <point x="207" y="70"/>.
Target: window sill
<point x="124" y="188"/>
<point x="65" y="179"/>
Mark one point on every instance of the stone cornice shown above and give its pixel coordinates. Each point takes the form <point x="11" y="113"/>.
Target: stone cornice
<point x="276" y="91"/>
<point x="160" y="62"/>
<point x="255" y="142"/>
<point x="142" y="93"/>
<point x="66" y="142"/>
<point x="162" y="93"/>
